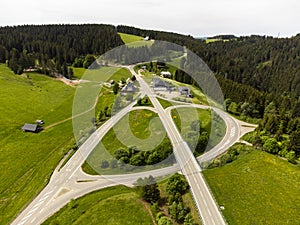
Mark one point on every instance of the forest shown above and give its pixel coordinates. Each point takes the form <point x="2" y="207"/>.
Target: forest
<point x="50" y="48"/>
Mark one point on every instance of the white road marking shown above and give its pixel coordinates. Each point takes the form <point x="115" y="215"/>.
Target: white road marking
<point x="33" y="220"/>
<point x="43" y="199"/>
<point x="38" y="204"/>
<point x="31" y="211"/>
<point x="49" y="192"/>
<point x="25" y="218"/>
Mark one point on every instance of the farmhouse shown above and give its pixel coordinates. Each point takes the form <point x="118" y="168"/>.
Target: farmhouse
<point x="165" y="74"/>
<point x="160" y="85"/>
<point x="34" y="128"/>
<point x="185" y="91"/>
<point x="39" y="122"/>
<point x="128" y="88"/>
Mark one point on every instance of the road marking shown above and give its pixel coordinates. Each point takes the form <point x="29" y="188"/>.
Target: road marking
<point x="232" y="132"/>
<point x="31" y="211"/>
<point x="21" y="223"/>
<point x="25" y="218"/>
<point x="43" y="199"/>
<point x="49" y="192"/>
<point x="33" y="220"/>
<point x="37" y="205"/>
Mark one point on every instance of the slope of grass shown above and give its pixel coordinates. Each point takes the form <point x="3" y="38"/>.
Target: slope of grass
<point x="128" y="38"/>
<point x="258" y="188"/>
<point x="27" y="160"/>
<point x="165" y="103"/>
<point x="134" y="41"/>
<point x="110" y="206"/>
<point x="78" y="72"/>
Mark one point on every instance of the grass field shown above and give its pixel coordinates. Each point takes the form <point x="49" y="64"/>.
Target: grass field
<point x="183" y="122"/>
<point x="111" y="206"/>
<point x="165" y="104"/>
<point x="27" y="160"/>
<point x="257" y="189"/>
<point x="78" y="72"/>
<point x="128" y="38"/>
<point x="134" y="41"/>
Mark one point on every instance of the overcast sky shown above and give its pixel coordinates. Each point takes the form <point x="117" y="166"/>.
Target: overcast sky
<point x="195" y="17"/>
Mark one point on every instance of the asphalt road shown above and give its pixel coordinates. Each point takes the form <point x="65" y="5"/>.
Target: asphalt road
<point x="70" y="182"/>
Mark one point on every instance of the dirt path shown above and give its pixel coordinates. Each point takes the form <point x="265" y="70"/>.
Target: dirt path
<point x="73" y="117"/>
<point x="149" y="211"/>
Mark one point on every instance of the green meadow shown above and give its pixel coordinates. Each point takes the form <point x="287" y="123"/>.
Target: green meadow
<point x="257" y="188"/>
<point x="134" y="41"/>
<point x="28" y="159"/>
<point x="111" y="206"/>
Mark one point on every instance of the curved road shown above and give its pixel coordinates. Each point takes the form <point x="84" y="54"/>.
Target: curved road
<point x="70" y="182"/>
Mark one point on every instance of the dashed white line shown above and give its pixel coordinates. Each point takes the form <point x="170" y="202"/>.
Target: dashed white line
<point x="33" y="220"/>
<point x="49" y="192"/>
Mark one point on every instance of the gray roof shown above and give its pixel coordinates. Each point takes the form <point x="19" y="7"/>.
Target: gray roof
<point x="183" y="88"/>
<point x="30" y="127"/>
<point x="160" y="83"/>
<point x="129" y="88"/>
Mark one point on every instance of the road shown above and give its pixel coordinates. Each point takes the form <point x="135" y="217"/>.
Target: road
<point x="70" y="182"/>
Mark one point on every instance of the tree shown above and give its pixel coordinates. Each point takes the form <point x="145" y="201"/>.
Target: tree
<point x="104" y="164"/>
<point x="178" y="211"/>
<point x="148" y="189"/>
<point x="196" y="125"/>
<point x="188" y="220"/>
<point x="2" y="54"/>
<point x="89" y="59"/>
<point x="227" y="103"/>
<point x="202" y="142"/>
<point x="137" y="160"/>
<point x="271" y="146"/>
<point x="164" y="221"/>
<point x="295" y="142"/>
<point x="139" y="101"/>
<point x="233" y="108"/>
<point x="291" y="156"/>
<point x="116" y="88"/>
<point x="70" y="73"/>
<point x="176" y="184"/>
<point x="64" y="69"/>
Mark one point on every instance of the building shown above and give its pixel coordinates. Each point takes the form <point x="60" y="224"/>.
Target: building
<point x="128" y="88"/>
<point x="147" y="38"/>
<point x="166" y="74"/>
<point x="160" y="85"/>
<point x="39" y="122"/>
<point x="185" y="91"/>
<point x="34" y="128"/>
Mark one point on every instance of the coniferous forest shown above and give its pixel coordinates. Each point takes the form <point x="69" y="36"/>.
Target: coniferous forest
<point x="53" y="47"/>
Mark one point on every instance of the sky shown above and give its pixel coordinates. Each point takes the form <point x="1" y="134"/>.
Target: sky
<point x="198" y="18"/>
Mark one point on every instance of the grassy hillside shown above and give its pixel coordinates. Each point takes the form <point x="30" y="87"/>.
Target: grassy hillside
<point x="134" y="41"/>
<point x="128" y="38"/>
<point x="258" y="188"/>
<point x="111" y="206"/>
<point x="27" y="159"/>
